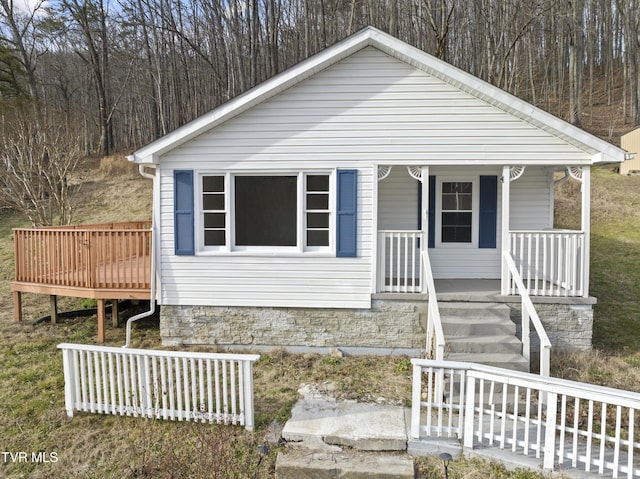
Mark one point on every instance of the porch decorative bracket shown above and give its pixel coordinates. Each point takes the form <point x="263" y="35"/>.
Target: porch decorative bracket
<point x="516" y="172"/>
<point x="383" y="172"/>
<point x="575" y="172"/>
<point x="415" y="172"/>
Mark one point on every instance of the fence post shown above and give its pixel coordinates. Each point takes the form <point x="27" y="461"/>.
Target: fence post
<point x="248" y="395"/>
<point x="69" y="368"/>
<point x="469" y="415"/>
<point x="415" y="401"/>
<point x="550" y="431"/>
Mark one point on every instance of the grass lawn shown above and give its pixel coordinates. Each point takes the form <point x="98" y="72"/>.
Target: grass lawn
<point x="32" y="411"/>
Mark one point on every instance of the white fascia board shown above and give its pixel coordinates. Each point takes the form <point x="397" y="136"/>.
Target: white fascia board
<point x="269" y="88"/>
<point x="600" y="150"/>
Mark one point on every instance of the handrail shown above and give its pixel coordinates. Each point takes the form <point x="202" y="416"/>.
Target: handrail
<point x="435" y="335"/>
<point x="529" y="313"/>
<point x="562" y="422"/>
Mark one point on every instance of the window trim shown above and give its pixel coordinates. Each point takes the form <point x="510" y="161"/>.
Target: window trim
<point x="231" y="248"/>
<point x="475" y="211"/>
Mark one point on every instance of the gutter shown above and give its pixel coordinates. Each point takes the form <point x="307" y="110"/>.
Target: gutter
<point x="152" y="298"/>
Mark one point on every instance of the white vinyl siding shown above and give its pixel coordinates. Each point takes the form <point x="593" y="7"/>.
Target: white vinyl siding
<point x="375" y="108"/>
<point x="244" y="278"/>
<point x="398" y="201"/>
<point x="365" y="110"/>
<point x="531" y="201"/>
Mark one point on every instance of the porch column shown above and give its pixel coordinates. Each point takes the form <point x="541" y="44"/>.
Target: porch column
<point x="506" y="188"/>
<point x="424" y="214"/>
<point x="586" y="227"/>
<point x="424" y="240"/>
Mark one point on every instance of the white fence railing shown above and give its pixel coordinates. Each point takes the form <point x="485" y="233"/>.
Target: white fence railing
<point x="182" y="386"/>
<point x="563" y="423"/>
<point x="435" y="335"/>
<point x="551" y="263"/>
<point x="399" y="269"/>
<point x="529" y="315"/>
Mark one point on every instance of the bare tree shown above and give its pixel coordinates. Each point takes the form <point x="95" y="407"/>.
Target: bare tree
<point x="38" y="159"/>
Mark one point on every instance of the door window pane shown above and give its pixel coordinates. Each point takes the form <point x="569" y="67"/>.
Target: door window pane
<point x="457" y="206"/>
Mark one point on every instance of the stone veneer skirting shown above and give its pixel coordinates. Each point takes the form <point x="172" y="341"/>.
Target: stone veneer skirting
<point x="568" y="326"/>
<point x="389" y="327"/>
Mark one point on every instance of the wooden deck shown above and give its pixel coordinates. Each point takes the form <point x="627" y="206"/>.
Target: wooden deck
<point x="109" y="261"/>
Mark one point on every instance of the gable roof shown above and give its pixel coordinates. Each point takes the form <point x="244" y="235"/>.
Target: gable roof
<point x="600" y="150"/>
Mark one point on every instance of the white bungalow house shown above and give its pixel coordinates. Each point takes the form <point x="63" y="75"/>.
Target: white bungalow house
<point x="316" y="210"/>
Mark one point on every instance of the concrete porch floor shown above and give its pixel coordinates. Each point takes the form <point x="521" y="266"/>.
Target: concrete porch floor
<point x="481" y="290"/>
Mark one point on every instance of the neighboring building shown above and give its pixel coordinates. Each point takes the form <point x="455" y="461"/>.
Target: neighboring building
<point x="295" y="215"/>
<point x="631" y="143"/>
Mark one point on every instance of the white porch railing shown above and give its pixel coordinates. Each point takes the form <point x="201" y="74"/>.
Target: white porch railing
<point x="399" y="268"/>
<point x="563" y="423"/>
<point x="529" y="314"/>
<point x="435" y="335"/>
<point x="551" y="263"/>
<point x="182" y="386"/>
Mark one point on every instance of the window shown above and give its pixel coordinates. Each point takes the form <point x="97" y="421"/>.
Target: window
<point x="456" y="214"/>
<point x="317" y="210"/>
<point x="214" y="210"/>
<point x="244" y="212"/>
<point x="266" y="210"/>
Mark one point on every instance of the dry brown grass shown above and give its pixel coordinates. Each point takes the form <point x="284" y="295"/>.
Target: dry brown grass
<point x="117" y="166"/>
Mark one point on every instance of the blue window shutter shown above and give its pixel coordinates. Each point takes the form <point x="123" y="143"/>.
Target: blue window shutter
<point x="488" y="211"/>
<point x="347" y="213"/>
<point x="432" y="211"/>
<point x="183" y="212"/>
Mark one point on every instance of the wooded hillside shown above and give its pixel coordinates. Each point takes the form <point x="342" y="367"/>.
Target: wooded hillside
<point x="124" y="72"/>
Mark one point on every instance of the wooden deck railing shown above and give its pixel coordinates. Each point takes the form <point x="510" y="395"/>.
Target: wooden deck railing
<point x="108" y="256"/>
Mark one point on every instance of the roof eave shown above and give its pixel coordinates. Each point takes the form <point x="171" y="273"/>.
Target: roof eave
<point x="254" y="96"/>
<point x="600" y="150"/>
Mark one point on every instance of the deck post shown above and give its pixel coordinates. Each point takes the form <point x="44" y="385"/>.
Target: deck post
<point x="17" y="306"/>
<point x="101" y="315"/>
<point x="115" y="313"/>
<point x="54" y="308"/>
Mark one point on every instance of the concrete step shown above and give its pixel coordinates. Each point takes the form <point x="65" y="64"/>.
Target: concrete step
<point x="475" y="310"/>
<point x="361" y="426"/>
<point x="297" y="463"/>
<point x="474" y="327"/>
<point x="515" y="362"/>
<point x="473" y="319"/>
<point x="481" y="333"/>
<point x="504" y="344"/>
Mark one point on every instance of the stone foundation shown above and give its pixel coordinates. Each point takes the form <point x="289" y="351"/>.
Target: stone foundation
<point x="568" y="326"/>
<point x="389" y="327"/>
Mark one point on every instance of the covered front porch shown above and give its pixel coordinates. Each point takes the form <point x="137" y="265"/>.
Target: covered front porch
<point x="550" y="262"/>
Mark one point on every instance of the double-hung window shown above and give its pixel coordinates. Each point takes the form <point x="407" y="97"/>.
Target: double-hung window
<point x="283" y="212"/>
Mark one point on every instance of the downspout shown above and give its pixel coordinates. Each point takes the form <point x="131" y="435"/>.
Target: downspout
<point x="152" y="298"/>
